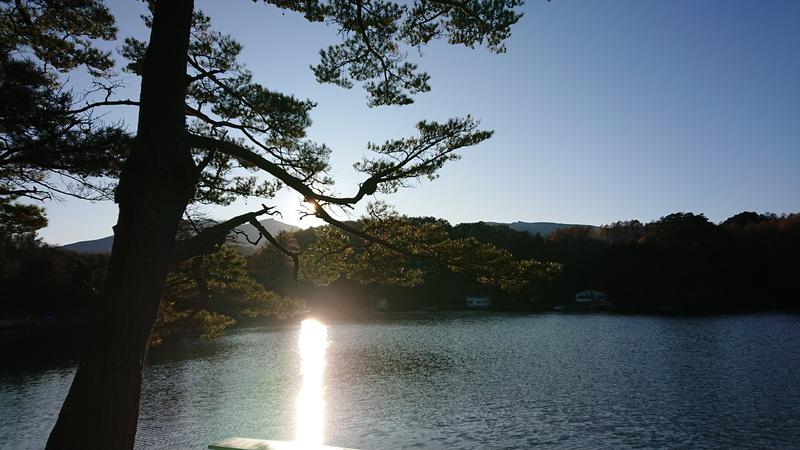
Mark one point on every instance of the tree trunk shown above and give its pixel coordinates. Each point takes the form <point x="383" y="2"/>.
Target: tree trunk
<point x="158" y="180"/>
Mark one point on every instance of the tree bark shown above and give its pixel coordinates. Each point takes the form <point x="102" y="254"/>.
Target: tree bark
<point x="157" y="181"/>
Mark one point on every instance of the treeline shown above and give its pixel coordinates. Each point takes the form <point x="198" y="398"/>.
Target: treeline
<point x="685" y="263"/>
<point x="40" y="283"/>
<point x="56" y="289"/>
<point x="680" y="263"/>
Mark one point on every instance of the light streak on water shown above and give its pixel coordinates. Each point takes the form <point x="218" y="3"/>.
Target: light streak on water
<point x="309" y="421"/>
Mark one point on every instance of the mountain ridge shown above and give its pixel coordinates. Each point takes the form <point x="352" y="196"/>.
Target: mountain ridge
<point x="275" y="227"/>
<point x="543" y="228"/>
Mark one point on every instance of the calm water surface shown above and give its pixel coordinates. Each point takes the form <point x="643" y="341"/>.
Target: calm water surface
<point x="469" y="381"/>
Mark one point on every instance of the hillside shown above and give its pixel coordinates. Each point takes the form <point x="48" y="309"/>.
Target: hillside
<point x="543" y="228"/>
<point x="275" y="227"/>
<point x="103" y="245"/>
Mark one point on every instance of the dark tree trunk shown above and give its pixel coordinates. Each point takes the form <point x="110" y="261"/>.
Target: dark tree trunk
<point x="159" y="177"/>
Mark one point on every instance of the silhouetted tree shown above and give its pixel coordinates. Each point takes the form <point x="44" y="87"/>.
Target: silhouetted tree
<point x="17" y="218"/>
<point x="209" y="293"/>
<point x="273" y="268"/>
<point x="681" y="229"/>
<point x="744" y="220"/>
<point x="188" y="70"/>
<point x="623" y="232"/>
<point x="48" y="149"/>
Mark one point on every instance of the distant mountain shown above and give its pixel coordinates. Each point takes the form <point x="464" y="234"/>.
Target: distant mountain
<point x="102" y="245"/>
<point x="275" y="227"/>
<point x="543" y="228"/>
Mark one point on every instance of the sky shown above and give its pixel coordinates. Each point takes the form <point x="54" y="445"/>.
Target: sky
<point x="602" y="110"/>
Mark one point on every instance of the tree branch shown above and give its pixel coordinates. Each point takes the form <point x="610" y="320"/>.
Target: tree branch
<point x="268" y="236"/>
<point x="243" y="154"/>
<point x="209" y="239"/>
<point x="202" y="75"/>
<point x="104" y="103"/>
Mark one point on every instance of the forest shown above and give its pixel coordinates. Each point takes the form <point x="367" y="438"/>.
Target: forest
<point x="680" y="264"/>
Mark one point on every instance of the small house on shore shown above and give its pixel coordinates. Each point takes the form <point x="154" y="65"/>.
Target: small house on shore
<point x="591" y="299"/>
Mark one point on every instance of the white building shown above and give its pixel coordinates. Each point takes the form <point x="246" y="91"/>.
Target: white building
<point x="591" y="299"/>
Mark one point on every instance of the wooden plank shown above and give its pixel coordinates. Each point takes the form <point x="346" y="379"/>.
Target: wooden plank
<point x="237" y="443"/>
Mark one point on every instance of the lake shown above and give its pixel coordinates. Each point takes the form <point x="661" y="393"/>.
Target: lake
<point x="469" y="381"/>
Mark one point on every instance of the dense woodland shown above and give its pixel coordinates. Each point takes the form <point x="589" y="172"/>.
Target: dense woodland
<point x="682" y="263"/>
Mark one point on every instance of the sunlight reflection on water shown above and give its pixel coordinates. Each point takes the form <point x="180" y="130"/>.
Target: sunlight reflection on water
<point x="441" y="381"/>
<point x="309" y="420"/>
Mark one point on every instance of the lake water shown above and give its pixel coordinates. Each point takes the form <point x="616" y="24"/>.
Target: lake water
<point x="474" y="380"/>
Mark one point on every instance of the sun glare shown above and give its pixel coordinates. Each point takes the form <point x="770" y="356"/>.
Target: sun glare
<point x="310" y="205"/>
<point x="310" y="400"/>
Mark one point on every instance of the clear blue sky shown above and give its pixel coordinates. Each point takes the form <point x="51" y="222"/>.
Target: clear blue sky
<point x="603" y="110"/>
